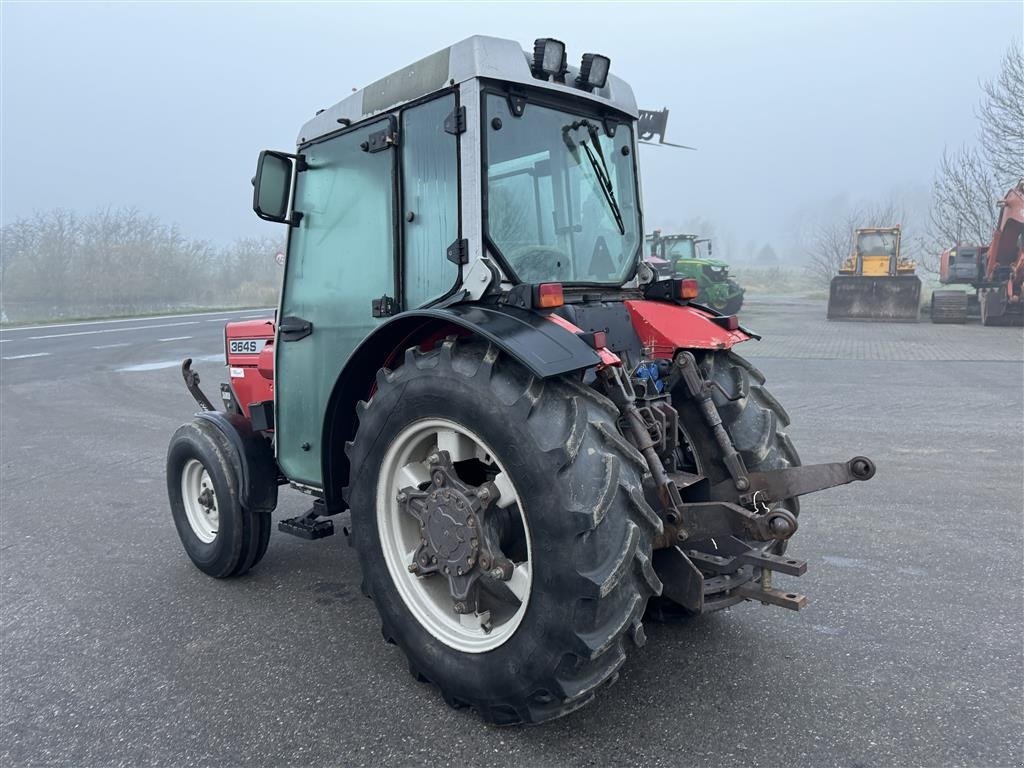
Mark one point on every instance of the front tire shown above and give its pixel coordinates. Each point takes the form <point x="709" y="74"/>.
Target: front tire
<point x="577" y="485"/>
<point x="220" y="536"/>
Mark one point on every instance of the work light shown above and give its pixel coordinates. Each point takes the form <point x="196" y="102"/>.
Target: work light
<point x="593" y="71"/>
<point x="549" y="58"/>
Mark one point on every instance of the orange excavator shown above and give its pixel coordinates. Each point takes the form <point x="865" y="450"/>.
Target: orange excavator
<point x="996" y="271"/>
<point x="1003" y="303"/>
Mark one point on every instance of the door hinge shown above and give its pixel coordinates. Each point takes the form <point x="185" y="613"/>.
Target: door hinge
<point x="455" y="123"/>
<point x="293" y="328"/>
<point x="384" y="306"/>
<point x="458" y="252"/>
<point x="301" y="164"/>
<point x="380" y="140"/>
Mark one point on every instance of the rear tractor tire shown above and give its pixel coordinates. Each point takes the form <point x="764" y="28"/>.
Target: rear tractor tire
<point x="220" y="536"/>
<point x="502" y="531"/>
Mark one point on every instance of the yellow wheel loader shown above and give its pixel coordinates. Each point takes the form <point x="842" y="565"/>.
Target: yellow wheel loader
<point x="875" y="282"/>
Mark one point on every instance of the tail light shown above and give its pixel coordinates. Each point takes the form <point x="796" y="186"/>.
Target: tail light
<point x="688" y="289"/>
<point x="550" y="295"/>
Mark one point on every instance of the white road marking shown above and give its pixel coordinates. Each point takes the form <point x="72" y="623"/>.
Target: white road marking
<point x="110" y="330"/>
<point x="176" y="338"/>
<point x="34" y="354"/>
<point x="111" y="346"/>
<point x="130" y="319"/>
<point x="217" y="320"/>
<point x="167" y="364"/>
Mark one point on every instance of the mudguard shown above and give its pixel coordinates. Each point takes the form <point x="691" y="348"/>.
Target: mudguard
<point x="544" y="347"/>
<point x="665" y="327"/>
<point x="252" y="458"/>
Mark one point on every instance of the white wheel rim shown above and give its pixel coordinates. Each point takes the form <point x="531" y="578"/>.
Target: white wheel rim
<point x="197" y="488"/>
<point x="428" y="597"/>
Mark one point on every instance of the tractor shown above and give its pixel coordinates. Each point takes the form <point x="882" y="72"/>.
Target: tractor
<point x="533" y="443"/>
<point x="688" y="256"/>
<point x="876" y="282"/>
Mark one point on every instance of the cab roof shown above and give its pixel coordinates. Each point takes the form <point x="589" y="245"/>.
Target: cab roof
<point x="478" y="56"/>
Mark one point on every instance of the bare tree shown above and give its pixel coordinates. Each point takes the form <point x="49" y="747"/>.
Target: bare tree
<point x="1001" y="114"/>
<point x="964" y="194"/>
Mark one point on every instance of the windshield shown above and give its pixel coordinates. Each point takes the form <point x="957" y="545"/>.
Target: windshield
<point x="682" y="249"/>
<point x="561" y="195"/>
<point x="877" y="244"/>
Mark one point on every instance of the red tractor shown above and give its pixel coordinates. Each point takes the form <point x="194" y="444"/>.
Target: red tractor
<point x="995" y="272"/>
<point x="537" y="441"/>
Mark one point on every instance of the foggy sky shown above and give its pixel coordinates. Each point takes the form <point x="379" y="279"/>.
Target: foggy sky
<point x="791" y="106"/>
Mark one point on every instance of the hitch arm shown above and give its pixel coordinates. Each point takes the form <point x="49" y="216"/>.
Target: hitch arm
<point x="781" y="484"/>
<point x="192" y="383"/>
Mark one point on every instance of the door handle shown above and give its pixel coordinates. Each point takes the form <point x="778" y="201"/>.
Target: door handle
<point x="294" y="328"/>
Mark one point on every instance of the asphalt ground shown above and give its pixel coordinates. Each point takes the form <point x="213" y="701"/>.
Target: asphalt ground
<point x="115" y="650"/>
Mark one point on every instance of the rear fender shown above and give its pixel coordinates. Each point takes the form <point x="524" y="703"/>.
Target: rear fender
<point x="664" y="328"/>
<point x="545" y="348"/>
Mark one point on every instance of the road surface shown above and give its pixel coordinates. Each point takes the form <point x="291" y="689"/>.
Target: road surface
<point x="115" y="650"/>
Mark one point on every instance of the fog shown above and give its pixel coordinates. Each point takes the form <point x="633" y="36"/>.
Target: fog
<point x="792" y="107"/>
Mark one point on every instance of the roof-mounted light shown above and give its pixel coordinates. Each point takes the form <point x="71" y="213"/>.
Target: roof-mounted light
<point x="549" y="59"/>
<point x="593" y="71"/>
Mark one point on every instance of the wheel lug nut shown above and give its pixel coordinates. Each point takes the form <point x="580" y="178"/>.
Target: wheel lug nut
<point x="402" y="497"/>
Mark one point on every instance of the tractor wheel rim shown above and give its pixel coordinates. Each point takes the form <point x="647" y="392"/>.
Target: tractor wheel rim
<point x="428" y="597"/>
<point x="200" y="500"/>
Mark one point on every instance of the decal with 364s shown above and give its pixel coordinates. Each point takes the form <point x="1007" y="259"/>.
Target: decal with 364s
<point x="245" y="346"/>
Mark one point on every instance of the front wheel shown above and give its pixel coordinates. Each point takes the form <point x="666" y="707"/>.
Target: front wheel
<point x="220" y="536"/>
<point x="502" y="531"/>
<point x="729" y="303"/>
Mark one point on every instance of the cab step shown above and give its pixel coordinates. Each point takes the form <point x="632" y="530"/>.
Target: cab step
<point x="307" y="526"/>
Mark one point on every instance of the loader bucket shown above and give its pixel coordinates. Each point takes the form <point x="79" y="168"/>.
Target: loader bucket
<point x="856" y="297"/>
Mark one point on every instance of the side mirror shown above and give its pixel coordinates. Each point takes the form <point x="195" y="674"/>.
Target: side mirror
<point x="272" y="186"/>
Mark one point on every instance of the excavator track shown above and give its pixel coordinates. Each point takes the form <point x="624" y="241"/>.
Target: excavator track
<point x="949" y="307"/>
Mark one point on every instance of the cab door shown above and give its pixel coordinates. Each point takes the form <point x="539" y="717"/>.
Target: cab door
<point x="341" y="258"/>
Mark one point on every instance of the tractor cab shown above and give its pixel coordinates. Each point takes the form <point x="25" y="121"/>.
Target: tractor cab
<point x="519" y="169"/>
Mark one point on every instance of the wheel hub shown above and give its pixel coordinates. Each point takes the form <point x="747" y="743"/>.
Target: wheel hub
<point x="206" y="500"/>
<point x="453" y="537"/>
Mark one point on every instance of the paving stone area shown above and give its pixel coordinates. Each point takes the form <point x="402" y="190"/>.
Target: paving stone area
<point x="797" y="328"/>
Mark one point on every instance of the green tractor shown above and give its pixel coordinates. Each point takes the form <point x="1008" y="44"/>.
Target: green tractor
<point x="682" y="256"/>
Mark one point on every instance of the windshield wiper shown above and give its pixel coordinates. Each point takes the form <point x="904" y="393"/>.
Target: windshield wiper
<point x="600" y="166"/>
